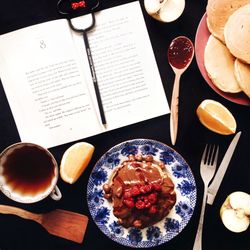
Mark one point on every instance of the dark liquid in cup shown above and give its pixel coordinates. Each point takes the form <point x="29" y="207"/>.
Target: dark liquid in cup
<point x="28" y="170"/>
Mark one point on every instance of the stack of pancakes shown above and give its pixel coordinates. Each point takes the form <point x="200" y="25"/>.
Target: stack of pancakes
<point x="227" y="53"/>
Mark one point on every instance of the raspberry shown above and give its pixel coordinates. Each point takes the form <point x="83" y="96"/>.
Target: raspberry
<point x="135" y="191"/>
<point x="145" y="199"/>
<point x="129" y="203"/>
<point x="152" y="198"/>
<point x="147" y="204"/>
<point x="152" y="209"/>
<point x="82" y="4"/>
<point x="139" y="204"/>
<point x="127" y="194"/>
<point x="148" y="188"/>
<point x="74" y="6"/>
<point x="157" y="187"/>
<point x="143" y="190"/>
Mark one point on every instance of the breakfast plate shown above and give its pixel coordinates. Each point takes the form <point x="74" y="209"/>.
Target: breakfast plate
<point x="201" y="39"/>
<point x="101" y="210"/>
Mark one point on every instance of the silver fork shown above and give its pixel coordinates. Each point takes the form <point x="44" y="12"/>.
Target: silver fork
<point x="207" y="171"/>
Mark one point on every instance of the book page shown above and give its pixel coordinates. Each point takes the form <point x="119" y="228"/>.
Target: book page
<point x="127" y="74"/>
<point x="44" y="85"/>
<point x="46" y="76"/>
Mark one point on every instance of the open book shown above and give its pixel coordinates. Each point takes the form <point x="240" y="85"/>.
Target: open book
<point x="46" y="76"/>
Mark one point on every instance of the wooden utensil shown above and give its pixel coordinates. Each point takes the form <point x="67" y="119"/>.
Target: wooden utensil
<point x="62" y="223"/>
<point x="180" y="55"/>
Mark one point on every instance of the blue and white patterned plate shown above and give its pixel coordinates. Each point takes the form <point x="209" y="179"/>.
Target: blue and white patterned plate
<point x="102" y="211"/>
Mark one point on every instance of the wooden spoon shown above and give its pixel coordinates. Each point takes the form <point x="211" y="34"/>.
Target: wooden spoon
<point x="62" y="223"/>
<point x="180" y="55"/>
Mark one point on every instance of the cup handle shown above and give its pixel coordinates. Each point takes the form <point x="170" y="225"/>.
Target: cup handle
<point x="56" y="194"/>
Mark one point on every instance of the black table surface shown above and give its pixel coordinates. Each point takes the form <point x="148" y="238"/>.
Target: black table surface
<point x="17" y="233"/>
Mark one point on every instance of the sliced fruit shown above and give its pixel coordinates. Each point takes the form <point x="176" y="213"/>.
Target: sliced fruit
<point x="164" y="10"/>
<point x="152" y="6"/>
<point x="235" y="212"/>
<point x="240" y="200"/>
<point x="216" y="117"/>
<point x="75" y="160"/>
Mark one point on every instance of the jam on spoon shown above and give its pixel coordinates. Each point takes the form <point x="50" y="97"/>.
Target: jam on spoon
<point x="180" y="55"/>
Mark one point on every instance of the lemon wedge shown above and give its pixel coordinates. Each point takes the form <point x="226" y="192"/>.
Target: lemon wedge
<point x="75" y="160"/>
<point x="216" y="117"/>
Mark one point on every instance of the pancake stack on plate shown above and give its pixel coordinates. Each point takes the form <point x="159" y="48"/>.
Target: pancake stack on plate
<point x="227" y="53"/>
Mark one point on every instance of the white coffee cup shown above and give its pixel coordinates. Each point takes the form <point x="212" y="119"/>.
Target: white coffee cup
<point x="28" y="173"/>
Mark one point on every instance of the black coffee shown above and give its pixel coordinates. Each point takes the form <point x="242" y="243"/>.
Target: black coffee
<point x="28" y="170"/>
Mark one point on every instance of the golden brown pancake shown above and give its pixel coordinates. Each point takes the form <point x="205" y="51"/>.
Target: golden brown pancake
<point x="242" y="73"/>
<point x="218" y="12"/>
<point x="219" y="64"/>
<point x="237" y="33"/>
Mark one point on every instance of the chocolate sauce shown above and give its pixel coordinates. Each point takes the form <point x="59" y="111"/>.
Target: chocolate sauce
<point x="141" y="191"/>
<point x="180" y="52"/>
<point x="28" y="170"/>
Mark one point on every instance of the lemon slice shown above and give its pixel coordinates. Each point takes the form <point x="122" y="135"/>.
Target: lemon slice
<point x="216" y="117"/>
<point x="75" y="160"/>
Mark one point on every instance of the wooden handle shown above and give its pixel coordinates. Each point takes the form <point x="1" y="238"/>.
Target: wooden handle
<point x="4" y="209"/>
<point x="174" y="109"/>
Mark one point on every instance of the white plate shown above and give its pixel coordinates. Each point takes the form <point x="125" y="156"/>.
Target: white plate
<point x="102" y="211"/>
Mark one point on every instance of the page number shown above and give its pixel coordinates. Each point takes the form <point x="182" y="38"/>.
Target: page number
<point x="42" y="44"/>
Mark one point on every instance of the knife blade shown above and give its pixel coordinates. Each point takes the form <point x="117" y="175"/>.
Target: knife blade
<point x="214" y="186"/>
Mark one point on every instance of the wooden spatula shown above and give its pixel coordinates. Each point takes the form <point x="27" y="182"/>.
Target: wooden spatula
<point x="62" y="223"/>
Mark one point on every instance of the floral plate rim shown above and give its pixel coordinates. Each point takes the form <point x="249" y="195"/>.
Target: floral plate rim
<point x="161" y="232"/>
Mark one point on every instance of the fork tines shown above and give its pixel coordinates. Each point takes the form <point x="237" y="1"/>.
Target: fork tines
<point x="210" y="154"/>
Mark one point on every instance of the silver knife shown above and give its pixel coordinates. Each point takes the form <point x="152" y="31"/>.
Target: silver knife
<point x="214" y="186"/>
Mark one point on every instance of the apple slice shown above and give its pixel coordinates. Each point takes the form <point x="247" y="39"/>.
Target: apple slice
<point x="152" y="6"/>
<point x="164" y="10"/>
<point x="235" y="212"/>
